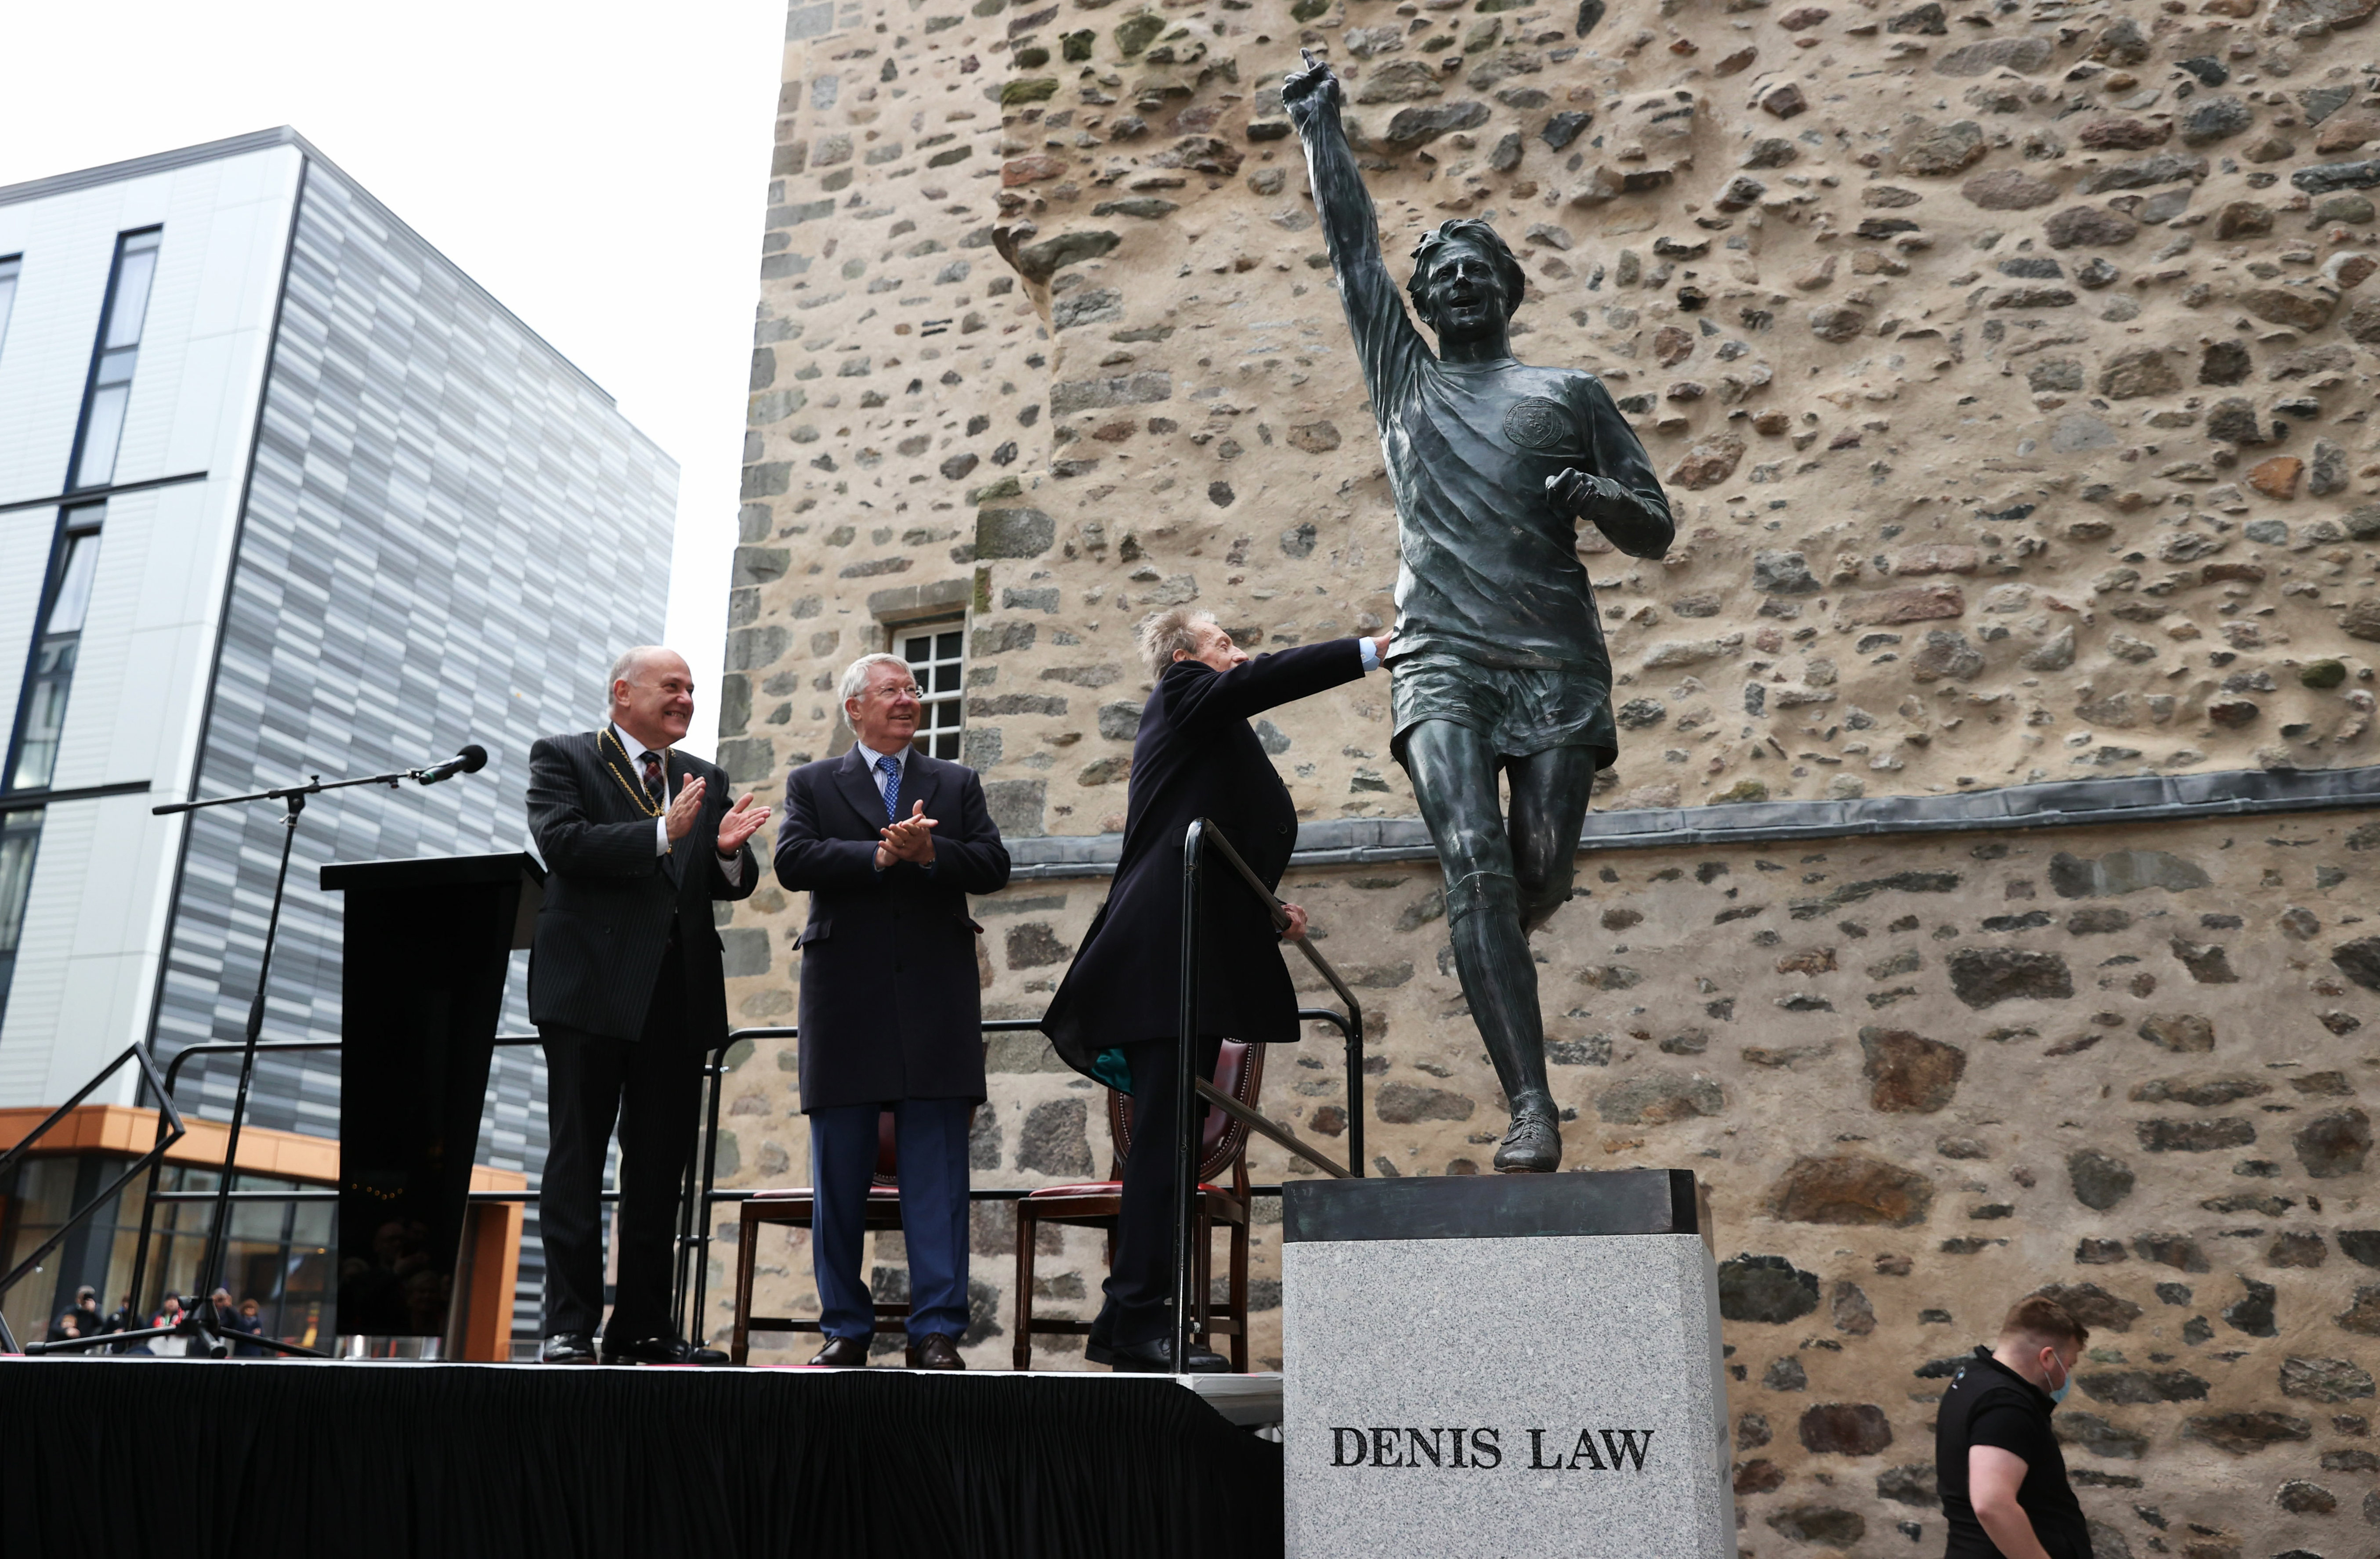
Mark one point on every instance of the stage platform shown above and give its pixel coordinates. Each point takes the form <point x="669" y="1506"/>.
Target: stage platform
<point x="258" y="1458"/>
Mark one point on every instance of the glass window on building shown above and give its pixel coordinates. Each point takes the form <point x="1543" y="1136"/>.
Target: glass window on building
<point x="50" y="674"/>
<point x="20" y="836"/>
<point x="119" y="349"/>
<point x="10" y="266"/>
<point x="281" y="1253"/>
<point x="935" y="652"/>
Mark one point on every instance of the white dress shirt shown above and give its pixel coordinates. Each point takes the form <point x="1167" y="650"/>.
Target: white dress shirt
<point x="730" y="867"/>
<point x="875" y="775"/>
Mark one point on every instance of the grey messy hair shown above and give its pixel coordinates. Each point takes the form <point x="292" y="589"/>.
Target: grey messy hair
<point x="1161" y="633"/>
<point x="855" y="676"/>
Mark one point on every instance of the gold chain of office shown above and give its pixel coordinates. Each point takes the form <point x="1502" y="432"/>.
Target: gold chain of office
<point x="636" y="792"/>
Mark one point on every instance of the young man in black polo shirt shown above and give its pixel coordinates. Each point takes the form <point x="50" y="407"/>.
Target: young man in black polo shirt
<point x="2002" y="1476"/>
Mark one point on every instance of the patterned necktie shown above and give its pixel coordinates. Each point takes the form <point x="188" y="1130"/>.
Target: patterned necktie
<point x="891" y="768"/>
<point x="656" y="784"/>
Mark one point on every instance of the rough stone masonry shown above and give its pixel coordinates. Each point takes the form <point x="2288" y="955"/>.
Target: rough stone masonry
<point x="2010" y="365"/>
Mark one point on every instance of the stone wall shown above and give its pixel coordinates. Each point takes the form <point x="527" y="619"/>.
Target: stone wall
<point x="2008" y="386"/>
<point x="2011" y="375"/>
<point x="1995" y="461"/>
<point x="1921" y="1078"/>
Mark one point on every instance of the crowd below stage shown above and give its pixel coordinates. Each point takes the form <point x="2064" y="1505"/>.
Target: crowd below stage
<point x="85" y="1321"/>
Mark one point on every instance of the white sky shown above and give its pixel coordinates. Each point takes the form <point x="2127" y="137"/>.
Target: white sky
<point x="598" y="167"/>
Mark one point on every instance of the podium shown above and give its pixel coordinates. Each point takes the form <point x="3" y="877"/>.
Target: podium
<point x="1482" y="1366"/>
<point x="427" y="944"/>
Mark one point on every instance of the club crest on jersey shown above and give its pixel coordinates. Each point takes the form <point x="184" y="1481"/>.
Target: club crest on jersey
<point x="1536" y="423"/>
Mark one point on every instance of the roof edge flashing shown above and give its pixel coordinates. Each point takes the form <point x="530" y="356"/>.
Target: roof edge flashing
<point x="156" y="162"/>
<point x="286" y="135"/>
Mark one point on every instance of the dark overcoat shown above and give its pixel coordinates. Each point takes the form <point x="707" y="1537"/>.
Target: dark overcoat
<point x="611" y="897"/>
<point x="892" y="1007"/>
<point x="1194" y="757"/>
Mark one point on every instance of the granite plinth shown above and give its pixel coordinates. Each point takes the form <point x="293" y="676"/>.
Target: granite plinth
<point x="1520" y="1390"/>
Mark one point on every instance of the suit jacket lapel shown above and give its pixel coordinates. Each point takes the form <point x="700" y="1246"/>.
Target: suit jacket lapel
<point x="616" y="778"/>
<point x="857" y="781"/>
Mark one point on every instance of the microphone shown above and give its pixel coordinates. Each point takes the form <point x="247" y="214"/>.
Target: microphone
<point x="470" y="760"/>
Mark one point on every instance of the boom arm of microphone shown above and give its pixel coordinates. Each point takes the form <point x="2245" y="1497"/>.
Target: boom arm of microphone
<point x="470" y="760"/>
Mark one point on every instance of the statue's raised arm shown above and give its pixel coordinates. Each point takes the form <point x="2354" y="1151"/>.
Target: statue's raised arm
<point x="1385" y="337"/>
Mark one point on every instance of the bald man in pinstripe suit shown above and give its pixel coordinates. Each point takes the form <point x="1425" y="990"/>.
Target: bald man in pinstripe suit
<point x="627" y="989"/>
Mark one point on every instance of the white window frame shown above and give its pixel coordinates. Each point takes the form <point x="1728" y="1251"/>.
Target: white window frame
<point x="941" y="680"/>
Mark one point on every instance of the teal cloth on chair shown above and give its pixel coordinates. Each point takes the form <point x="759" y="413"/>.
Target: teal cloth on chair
<point x="1113" y="1069"/>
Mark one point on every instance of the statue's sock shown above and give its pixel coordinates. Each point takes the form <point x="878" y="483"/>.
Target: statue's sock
<point x="1495" y="893"/>
<point x="1500" y="980"/>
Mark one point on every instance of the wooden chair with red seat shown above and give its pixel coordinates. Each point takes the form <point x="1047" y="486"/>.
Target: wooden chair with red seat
<point x="1239" y="1073"/>
<point x="797" y="1208"/>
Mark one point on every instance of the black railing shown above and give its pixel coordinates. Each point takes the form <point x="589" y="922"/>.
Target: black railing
<point x="693" y="1244"/>
<point x="1202" y="835"/>
<point x="169" y="1132"/>
<point x="692" y="1263"/>
<point x="1351" y="1028"/>
<point x="224" y="1194"/>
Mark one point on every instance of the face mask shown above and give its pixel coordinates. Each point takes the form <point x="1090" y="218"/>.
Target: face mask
<point x="2060" y="1395"/>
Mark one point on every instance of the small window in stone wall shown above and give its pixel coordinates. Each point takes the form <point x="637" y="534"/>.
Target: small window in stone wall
<point x="935" y="652"/>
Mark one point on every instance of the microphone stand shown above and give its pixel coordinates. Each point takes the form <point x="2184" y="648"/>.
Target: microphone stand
<point x="203" y="1320"/>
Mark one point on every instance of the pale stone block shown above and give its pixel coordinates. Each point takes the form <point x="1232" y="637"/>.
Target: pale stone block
<point x="1533" y="1378"/>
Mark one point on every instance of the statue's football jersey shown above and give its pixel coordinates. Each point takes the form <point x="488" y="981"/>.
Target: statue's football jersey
<point x="1489" y="567"/>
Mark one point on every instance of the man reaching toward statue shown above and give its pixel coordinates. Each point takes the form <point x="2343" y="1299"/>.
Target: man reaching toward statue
<point x="1499" y="659"/>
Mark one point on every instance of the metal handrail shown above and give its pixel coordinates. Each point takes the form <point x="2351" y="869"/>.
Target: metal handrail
<point x="170" y="1130"/>
<point x="692" y="1290"/>
<point x="285" y="1196"/>
<point x="693" y="1243"/>
<point x="694" y="1247"/>
<point x="155" y="1157"/>
<point x="1202" y="833"/>
<point x="1351" y="1028"/>
<point x="1271" y="1130"/>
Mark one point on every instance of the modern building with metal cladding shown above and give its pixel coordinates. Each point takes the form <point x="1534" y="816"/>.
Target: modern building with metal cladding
<point x="283" y="492"/>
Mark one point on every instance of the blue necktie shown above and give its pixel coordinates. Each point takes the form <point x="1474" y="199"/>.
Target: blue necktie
<point x="890" y="769"/>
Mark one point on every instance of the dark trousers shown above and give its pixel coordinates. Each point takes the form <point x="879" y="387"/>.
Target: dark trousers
<point x="931" y="1135"/>
<point x="1140" y="1286"/>
<point x="650" y="1086"/>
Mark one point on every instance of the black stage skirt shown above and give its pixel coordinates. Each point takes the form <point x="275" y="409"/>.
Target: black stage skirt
<point x="258" y="1459"/>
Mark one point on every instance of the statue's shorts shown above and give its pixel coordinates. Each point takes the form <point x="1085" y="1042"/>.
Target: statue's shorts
<point x="1523" y="710"/>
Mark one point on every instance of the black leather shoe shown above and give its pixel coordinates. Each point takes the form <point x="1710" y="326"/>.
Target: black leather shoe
<point x="842" y="1353"/>
<point x="937" y="1351"/>
<point x="1155" y="1358"/>
<point x="659" y="1350"/>
<point x="1533" y="1145"/>
<point x="566" y="1348"/>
